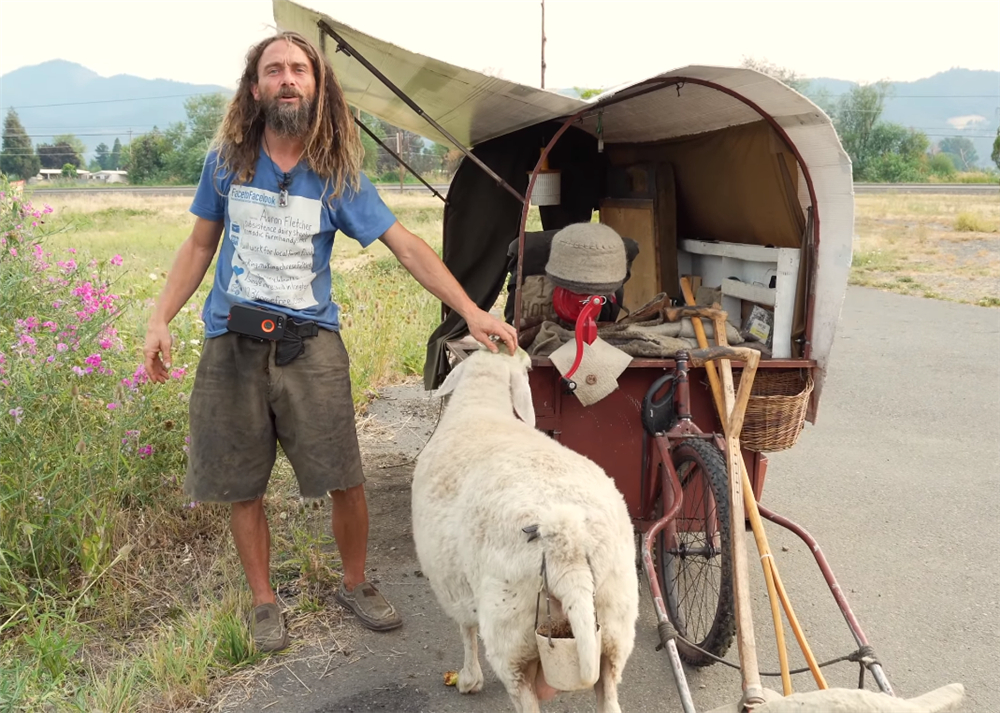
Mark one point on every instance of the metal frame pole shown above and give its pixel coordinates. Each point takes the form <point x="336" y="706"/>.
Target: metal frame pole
<point x="343" y="46"/>
<point x="398" y="158"/>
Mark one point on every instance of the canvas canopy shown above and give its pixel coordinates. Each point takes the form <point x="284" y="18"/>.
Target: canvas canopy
<point x="753" y="161"/>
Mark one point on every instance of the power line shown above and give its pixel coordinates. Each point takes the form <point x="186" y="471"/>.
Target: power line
<point x="110" y="101"/>
<point x="929" y="96"/>
<point x="200" y="94"/>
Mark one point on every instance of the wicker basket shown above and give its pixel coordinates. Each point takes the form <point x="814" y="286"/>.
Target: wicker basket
<point x="777" y="409"/>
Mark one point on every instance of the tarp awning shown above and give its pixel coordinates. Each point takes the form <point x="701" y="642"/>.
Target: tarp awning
<point x="470" y="105"/>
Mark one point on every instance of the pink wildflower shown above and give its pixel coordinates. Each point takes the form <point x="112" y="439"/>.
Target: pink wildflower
<point x="116" y="260"/>
<point x="17" y="413"/>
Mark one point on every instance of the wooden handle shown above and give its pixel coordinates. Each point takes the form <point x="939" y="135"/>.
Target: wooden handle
<point x="726" y="403"/>
<point x="700" y="356"/>
<point x="675" y="314"/>
<point x="699" y="333"/>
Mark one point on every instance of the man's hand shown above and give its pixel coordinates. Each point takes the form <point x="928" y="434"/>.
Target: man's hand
<point x="483" y="325"/>
<point x="158" y="341"/>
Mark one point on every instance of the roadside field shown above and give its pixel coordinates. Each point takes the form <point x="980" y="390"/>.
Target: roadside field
<point x="943" y="247"/>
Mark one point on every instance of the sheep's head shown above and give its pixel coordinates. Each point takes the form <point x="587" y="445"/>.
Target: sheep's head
<point x="515" y="368"/>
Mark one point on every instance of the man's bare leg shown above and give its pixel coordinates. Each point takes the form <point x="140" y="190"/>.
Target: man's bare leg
<point x="252" y="536"/>
<point x="350" y="530"/>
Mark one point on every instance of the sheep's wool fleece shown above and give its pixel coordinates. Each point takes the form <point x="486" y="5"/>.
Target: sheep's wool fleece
<point x="845" y="700"/>
<point x="599" y="370"/>
<point x="588" y="258"/>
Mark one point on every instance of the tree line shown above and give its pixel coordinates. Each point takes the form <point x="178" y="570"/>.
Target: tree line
<point x="882" y="151"/>
<point x="176" y="154"/>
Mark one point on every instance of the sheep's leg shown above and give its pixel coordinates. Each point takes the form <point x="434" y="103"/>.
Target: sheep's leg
<point x="607" y="686"/>
<point x="512" y="661"/>
<point x="470" y="678"/>
<point x="521" y="687"/>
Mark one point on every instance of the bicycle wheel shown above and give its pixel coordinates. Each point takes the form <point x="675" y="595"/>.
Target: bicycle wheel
<point x="695" y="568"/>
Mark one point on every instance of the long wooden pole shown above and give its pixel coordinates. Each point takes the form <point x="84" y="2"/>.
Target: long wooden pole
<point x="775" y="588"/>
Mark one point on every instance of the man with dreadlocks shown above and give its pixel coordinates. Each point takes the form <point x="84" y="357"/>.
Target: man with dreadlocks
<point x="282" y="177"/>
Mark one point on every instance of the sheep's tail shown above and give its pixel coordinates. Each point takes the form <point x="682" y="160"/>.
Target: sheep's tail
<point x="566" y="543"/>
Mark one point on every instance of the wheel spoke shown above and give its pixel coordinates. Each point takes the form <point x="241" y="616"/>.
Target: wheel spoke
<point x="695" y="578"/>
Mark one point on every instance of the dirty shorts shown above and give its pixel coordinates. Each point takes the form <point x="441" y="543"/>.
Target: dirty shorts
<point x="243" y="405"/>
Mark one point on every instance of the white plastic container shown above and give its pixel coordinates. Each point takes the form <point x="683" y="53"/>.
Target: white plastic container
<point x="547" y="188"/>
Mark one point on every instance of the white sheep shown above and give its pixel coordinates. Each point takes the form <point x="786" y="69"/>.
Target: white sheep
<point x="483" y="478"/>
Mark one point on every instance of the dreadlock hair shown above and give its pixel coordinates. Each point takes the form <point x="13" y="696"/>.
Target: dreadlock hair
<point x="333" y="149"/>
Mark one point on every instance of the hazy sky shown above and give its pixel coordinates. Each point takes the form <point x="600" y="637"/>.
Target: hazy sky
<point x="590" y="43"/>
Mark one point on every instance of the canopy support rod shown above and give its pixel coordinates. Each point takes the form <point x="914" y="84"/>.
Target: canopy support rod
<point x="343" y="46"/>
<point x="398" y="158"/>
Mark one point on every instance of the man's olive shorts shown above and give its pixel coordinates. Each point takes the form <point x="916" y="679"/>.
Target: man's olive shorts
<point x="242" y="405"/>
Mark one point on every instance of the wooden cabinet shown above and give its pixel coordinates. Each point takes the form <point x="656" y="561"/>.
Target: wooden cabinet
<point x="636" y="219"/>
<point x="642" y="205"/>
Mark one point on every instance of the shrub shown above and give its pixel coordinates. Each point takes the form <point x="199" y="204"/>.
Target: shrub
<point x="973" y="223"/>
<point x="941" y="165"/>
<point x="85" y="445"/>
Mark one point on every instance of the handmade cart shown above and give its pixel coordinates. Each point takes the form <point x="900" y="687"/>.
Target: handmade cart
<point x="719" y="175"/>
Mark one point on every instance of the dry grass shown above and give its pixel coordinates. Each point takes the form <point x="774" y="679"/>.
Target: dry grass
<point x="943" y="246"/>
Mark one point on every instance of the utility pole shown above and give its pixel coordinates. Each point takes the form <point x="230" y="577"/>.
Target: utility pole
<point x="543" y="44"/>
<point x="399" y="152"/>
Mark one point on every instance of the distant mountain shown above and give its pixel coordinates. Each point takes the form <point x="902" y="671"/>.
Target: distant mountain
<point x="60" y="97"/>
<point x="959" y="102"/>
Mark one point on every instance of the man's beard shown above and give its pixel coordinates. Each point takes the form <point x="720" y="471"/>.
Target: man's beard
<point x="288" y="119"/>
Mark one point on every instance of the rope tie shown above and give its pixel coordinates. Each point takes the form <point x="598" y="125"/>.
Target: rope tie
<point x="865" y="656"/>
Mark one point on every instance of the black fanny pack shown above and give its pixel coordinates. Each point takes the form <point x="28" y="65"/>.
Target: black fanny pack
<point x="266" y="325"/>
<point x="292" y="345"/>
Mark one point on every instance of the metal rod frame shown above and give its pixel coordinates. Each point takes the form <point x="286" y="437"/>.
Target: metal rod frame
<point x="345" y="47"/>
<point x="835" y="589"/>
<point x="398" y="158"/>
<point x="674" y="496"/>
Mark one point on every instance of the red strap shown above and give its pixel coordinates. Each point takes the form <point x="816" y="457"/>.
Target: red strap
<point x="586" y="330"/>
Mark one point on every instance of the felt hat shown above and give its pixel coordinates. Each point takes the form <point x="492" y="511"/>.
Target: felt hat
<point x="587" y="258"/>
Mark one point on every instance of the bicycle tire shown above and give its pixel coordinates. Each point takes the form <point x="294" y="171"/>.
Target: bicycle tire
<point x="698" y="588"/>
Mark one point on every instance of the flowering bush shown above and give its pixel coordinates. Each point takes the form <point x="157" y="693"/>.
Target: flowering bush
<point x="85" y="442"/>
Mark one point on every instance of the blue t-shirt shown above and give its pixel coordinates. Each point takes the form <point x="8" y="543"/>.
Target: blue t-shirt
<point x="279" y="257"/>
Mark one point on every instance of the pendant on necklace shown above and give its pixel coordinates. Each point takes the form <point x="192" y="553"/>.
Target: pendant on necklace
<point x="283" y="198"/>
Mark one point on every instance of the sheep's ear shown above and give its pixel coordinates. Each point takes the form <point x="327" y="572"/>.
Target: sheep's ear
<point x="451" y="381"/>
<point x="520" y="392"/>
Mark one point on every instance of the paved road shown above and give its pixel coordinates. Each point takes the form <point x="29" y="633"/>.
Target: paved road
<point x="859" y="188"/>
<point x="899" y="481"/>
